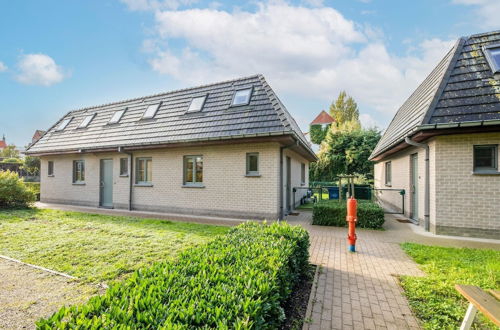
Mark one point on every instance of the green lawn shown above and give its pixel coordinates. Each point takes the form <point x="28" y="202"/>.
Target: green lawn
<point x="434" y="298"/>
<point x="95" y="247"/>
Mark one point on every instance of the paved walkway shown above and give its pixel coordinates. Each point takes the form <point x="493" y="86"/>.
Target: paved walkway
<point x="361" y="290"/>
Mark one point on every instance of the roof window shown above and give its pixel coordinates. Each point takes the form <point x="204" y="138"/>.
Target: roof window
<point x="116" y="117"/>
<point x="242" y="97"/>
<point x="63" y="124"/>
<point x="86" y="121"/>
<point x="151" y="111"/>
<point x="492" y="53"/>
<point x="197" y="103"/>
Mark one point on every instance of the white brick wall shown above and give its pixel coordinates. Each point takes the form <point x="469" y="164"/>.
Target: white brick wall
<point x="227" y="190"/>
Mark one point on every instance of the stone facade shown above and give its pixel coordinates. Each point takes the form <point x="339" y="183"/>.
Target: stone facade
<point x="462" y="203"/>
<point x="226" y="191"/>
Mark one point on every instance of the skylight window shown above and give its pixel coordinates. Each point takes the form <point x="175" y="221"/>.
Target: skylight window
<point x="86" y="121"/>
<point x="151" y="111"/>
<point x="242" y="97"/>
<point x="63" y="124"/>
<point x="116" y="117"/>
<point x="197" y="103"/>
<point x="492" y="54"/>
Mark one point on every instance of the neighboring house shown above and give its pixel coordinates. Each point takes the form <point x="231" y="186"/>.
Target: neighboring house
<point x="37" y="136"/>
<point x="225" y="149"/>
<point x="442" y="145"/>
<point x="318" y="129"/>
<point x="323" y="119"/>
<point x="3" y="143"/>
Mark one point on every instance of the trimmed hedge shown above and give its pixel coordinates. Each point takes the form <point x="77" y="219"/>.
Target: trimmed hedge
<point x="239" y="281"/>
<point x="13" y="192"/>
<point x="333" y="213"/>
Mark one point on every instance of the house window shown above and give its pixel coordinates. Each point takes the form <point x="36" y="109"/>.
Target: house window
<point x="485" y="158"/>
<point x="123" y="166"/>
<point x="388" y="173"/>
<point x="50" y="168"/>
<point x="86" y="121"/>
<point x="492" y="54"/>
<point x="253" y="163"/>
<point x="242" y="97"/>
<point x="116" y="117"/>
<point x="303" y="173"/>
<point x="151" y="111"/>
<point x="193" y="170"/>
<point x="144" y="171"/>
<point x="197" y="104"/>
<point x="63" y="124"/>
<point x="78" y="171"/>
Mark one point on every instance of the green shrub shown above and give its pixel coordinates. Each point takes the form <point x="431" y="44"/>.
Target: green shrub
<point x="239" y="281"/>
<point x="35" y="186"/>
<point x="333" y="213"/>
<point x="13" y="192"/>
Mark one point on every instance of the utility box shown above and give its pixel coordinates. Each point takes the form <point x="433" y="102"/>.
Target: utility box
<point x="333" y="192"/>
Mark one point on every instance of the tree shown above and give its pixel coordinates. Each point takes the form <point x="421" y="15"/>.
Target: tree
<point x="344" y="109"/>
<point x="10" y="152"/>
<point x="345" y="152"/>
<point x="32" y="165"/>
<point x="318" y="133"/>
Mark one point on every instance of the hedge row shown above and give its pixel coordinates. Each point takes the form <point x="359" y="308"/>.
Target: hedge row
<point x="13" y="191"/>
<point x="239" y="281"/>
<point x="35" y="186"/>
<point x="333" y="213"/>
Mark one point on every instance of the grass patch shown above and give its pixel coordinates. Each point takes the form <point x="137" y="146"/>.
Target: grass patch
<point x="95" y="247"/>
<point x="433" y="298"/>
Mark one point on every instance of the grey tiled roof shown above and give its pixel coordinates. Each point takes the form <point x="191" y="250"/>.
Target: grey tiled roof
<point x="264" y="115"/>
<point x="462" y="88"/>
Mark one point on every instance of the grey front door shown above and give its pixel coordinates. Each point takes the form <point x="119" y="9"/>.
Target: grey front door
<point x="106" y="183"/>
<point x="288" y="184"/>
<point x="414" y="187"/>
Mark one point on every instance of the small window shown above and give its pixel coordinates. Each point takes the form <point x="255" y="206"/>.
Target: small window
<point x="253" y="163"/>
<point x="492" y="54"/>
<point x="193" y="170"/>
<point x="144" y="171"/>
<point x="63" y="124"/>
<point x="86" y="121"/>
<point x="388" y="173"/>
<point x="78" y="171"/>
<point x="123" y="166"/>
<point x="151" y="111"/>
<point x="485" y="158"/>
<point x="197" y="104"/>
<point x="242" y="97"/>
<point x="50" y="168"/>
<point x="117" y="116"/>
<point x="303" y="173"/>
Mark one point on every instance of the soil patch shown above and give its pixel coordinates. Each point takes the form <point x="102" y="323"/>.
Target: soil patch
<point x="296" y="306"/>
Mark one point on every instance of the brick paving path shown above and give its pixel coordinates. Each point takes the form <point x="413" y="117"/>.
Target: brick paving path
<point x="361" y="290"/>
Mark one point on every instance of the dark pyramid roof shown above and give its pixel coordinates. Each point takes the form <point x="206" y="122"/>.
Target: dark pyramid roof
<point x="265" y="115"/>
<point x="461" y="90"/>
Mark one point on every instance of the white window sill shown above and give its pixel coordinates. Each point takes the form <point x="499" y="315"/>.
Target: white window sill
<point x="143" y="184"/>
<point x="253" y="175"/>
<point x="123" y="175"/>
<point x="78" y="183"/>
<point x="193" y="186"/>
<point x="50" y="175"/>
<point x="486" y="173"/>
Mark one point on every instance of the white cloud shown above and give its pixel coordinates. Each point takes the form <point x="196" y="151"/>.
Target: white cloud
<point x="367" y="121"/>
<point x="39" y="69"/>
<point x="486" y="11"/>
<point x="313" y="52"/>
<point x="3" y="67"/>
<point x="141" y="5"/>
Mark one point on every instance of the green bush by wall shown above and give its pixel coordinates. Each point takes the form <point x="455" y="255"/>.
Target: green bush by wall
<point x="35" y="186"/>
<point x="333" y="213"/>
<point x="13" y="192"/>
<point x="238" y="281"/>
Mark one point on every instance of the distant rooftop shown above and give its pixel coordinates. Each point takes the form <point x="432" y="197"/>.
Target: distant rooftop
<point x="323" y="118"/>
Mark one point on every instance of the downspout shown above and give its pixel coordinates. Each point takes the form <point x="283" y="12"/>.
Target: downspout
<point x="427" y="198"/>
<point x="131" y="170"/>
<point x="282" y="213"/>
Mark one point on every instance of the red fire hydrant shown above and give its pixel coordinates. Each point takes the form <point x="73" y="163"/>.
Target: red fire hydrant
<point x="352" y="218"/>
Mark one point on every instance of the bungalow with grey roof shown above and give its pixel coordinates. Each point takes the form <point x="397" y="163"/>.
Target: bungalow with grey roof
<point x="441" y="147"/>
<point x="225" y="149"/>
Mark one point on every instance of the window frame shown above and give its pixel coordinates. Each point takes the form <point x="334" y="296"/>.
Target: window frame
<point x="148" y="177"/>
<point x="302" y="174"/>
<point x="158" y="105"/>
<point x="494" y="66"/>
<point x="75" y="171"/>
<point x="50" y="168"/>
<point x="388" y="174"/>
<point x="240" y="90"/>
<point x="201" y="106"/>
<point x="126" y="172"/>
<point x="91" y="116"/>
<point x="483" y="169"/>
<point x="249" y="172"/>
<point x="119" y="118"/>
<point x="66" y="122"/>
<point x="193" y="183"/>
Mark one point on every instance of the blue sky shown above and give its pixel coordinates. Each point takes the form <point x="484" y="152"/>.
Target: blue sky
<point x="56" y="56"/>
